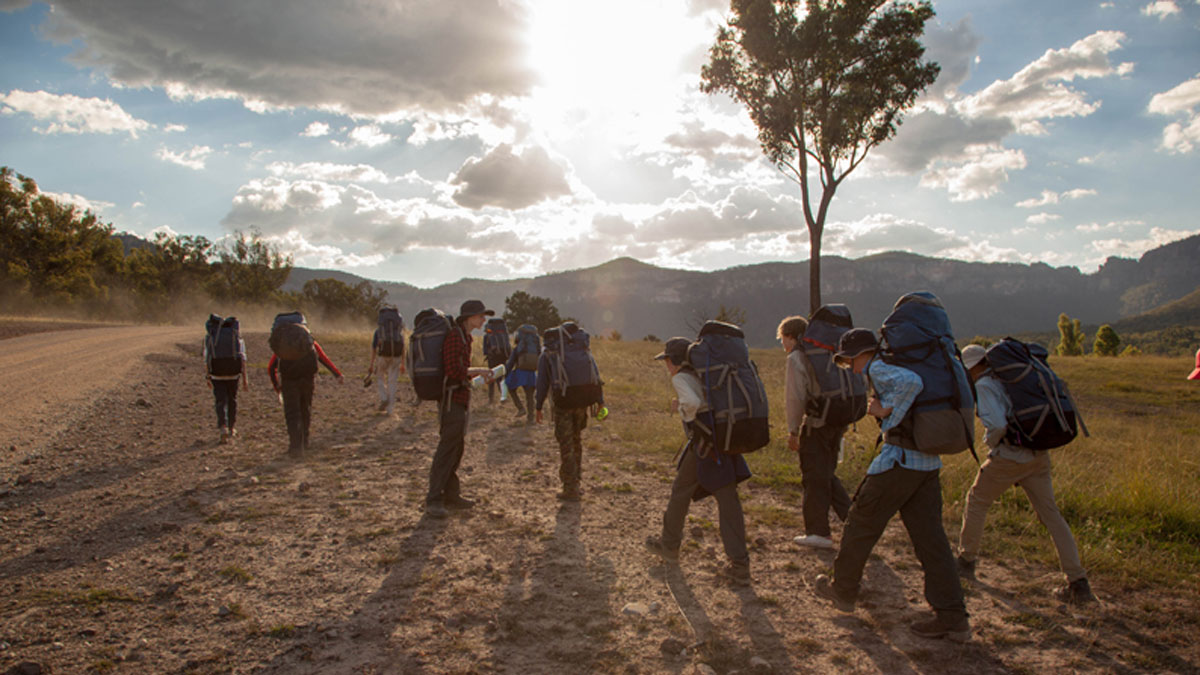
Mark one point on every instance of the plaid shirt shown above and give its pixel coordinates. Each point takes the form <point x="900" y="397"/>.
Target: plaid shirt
<point x="456" y="359"/>
<point x="897" y="388"/>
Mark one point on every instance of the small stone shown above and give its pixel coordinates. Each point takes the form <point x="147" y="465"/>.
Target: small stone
<point x="57" y="646"/>
<point x="759" y="665"/>
<point x="224" y="611"/>
<point x="655" y="606"/>
<point x="304" y="487"/>
<point x="143" y="403"/>
<point x="87" y="632"/>
<point x="635" y="609"/>
<point x="252" y="480"/>
<point x="672" y="647"/>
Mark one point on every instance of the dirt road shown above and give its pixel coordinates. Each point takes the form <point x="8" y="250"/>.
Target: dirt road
<point x="48" y="376"/>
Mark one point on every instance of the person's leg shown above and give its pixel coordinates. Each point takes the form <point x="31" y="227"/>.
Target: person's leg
<point x="816" y="470"/>
<point x="221" y="403"/>
<point x="232" y="393"/>
<point x="307" y="385"/>
<point x="878" y="499"/>
<point x="529" y="409"/>
<point x="1040" y="490"/>
<point x="393" y="377"/>
<point x="922" y="516"/>
<point x="733" y="524"/>
<point x="994" y="477"/>
<point x="291" y="415"/>
<point x="381" y="377"/>
<point x="682" y="489"/>
<point x="565" y="424"/>
<point x="443" y="482"/>
<point x="515" y="394"/>
<point x="839" y="497"/>
<point x="578" y="423"/>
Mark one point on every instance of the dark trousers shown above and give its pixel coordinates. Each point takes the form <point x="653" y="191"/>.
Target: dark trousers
<point x="729" y="511"/>
<point x="822" y="488"/>
<point x="569" y="424"/>
<point x="917" y="495"/>
<point x="443" y="473"/>
<point x="297" y="411"/>
<point x="526" y="408"/>
<point x="225" y="398"/>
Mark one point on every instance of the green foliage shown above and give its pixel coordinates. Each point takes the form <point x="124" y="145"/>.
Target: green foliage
<point x="981" y="341"/>
<point x="615" y="336"/>
<point x="522" y="308"/>
<point x="249" y="270"/>
<point x="731" y="314"/>
<point x="826" y="83"/>
<point x="335" y="299"/>
<point x="1107" y="342"/>
<point x="651" y="338"/>
<point x="1070" y="337"/>
<point x="1131" y="350"/>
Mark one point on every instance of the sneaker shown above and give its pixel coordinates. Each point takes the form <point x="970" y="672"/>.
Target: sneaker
<point x="736" y="574"/>
<point x="459" y="503"/>
<point x="655" y="545"/>
<point x="823" y="588"/>
<point x="232" y="433"/>
<point x="813" y="541"/>
<point x="1077" y="592"/>
<point x="935" y="628"/>
<point x="966" y="568"/>
<point x="436" y="510"/>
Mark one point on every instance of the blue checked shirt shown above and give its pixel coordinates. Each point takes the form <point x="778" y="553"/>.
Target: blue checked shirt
<point x="897" y="388"/>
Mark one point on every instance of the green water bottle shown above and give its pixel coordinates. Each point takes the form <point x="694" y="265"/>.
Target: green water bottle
<point x="601" y="414"/>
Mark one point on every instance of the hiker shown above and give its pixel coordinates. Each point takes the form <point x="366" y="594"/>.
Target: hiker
<point x="495" y="349"/>
<point x="293" y="369"/>
<point x="445" y="490"/>
<point x="387" y="345"/>
<point x="567" y="370"/>
<point x="821" y="400"/>
<point x="224" y="366"/>
<point x="701" y="470"/>
<point x="1196" y="373"/>
<point x="1009" y="465"/>
<point x="522" y="370"/>
<point x="900" y="479"/>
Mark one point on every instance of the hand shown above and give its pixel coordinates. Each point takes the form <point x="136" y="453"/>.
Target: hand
<point x="403" y="370"/>
<point x="674" y="405"/>
<point x="539" y="417"/>
<point x="876" y="409"/>
<point x="208" y="379"/>
<point x="341" y="379"/>
<point x="245" y="383"/>
<point x="793" y="442"/>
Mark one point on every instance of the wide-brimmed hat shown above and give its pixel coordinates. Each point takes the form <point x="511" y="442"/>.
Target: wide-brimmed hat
<point x="1196" y="373"/>
<point x="972" y="355"/>
<point x="675" y="349"/>
<point x="474" y="307"/>
<point x="854" y="342"/>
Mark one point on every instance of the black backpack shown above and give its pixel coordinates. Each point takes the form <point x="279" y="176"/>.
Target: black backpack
<point x="529" y="347"/>
<point x="495" y="339"/>
<point x="390" y="333"/>
<point x="225" y="353"/>
<point x="430" y="328"/>
<point x="575" y="379"/>
<point x="843" y="397"/>
<point x="290" y="339"/>
<point x="1044" y="415"/>
<point x="736" y="419"/>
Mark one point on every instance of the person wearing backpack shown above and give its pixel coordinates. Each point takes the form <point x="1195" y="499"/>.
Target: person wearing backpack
<point x="387" y="345"/>
<point x="522" y="370"/>
<point x="701" y="470"/>
<point x="566" y="369"/>
<point x="900" y="479"/>
<point x="1009" y="465"/>
<point x="495" y="349"/>
<point x="293" y="369"/>
<point x="445" y="490"/>
<point x="224" y="366"/>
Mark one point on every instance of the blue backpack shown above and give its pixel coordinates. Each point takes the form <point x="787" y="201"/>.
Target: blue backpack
<point x="390" y="333"/>
<point x="917" y="336"/>
<point x="575" y="379"/>
<point x="529" y="347"/>
<point x="1044" y="415"/>
<point x="495" y="339"/>
<point x="843" y="397"/>
<point x="290" y="339"/>
<point x="736" y="420"/>
<point x="430" y="328"/>
<point x="225" y="353"/>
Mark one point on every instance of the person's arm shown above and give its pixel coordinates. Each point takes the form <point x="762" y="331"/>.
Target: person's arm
<point x="272" y="367"/>
<point x="512" y="361"/>
<point x="325" y="360"/>
<point x="795" y="387"/>
<point x="688" y="394"/>
<point x="543" y="380"/>
<point x="207" y="369"/>
<point x="993" y="411"/>
<point x="242" y="356"/>
<point x="896" y="389"/>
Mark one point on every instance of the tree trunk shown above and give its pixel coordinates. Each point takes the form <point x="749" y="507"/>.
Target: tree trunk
<point x="814" y="268"/>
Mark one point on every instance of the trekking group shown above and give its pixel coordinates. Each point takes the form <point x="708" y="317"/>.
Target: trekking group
<point x="911" y="378"/>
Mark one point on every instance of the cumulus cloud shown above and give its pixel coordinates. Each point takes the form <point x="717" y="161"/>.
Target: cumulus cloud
<point x="1134" y="248"/>
<point x="315" y="130"/>
<point x="1042" y="218"/>
<point x="929" y="136"/>
<point x="509" y="180"/>
<point x="885" y="232"/>
<point x="712" y="144"/>
<point x="746" y="210"/>
<point x="367" y="57"/>
<point x="1052" y="197"/>
<point x="1161" y="9"/>
<point x="324" y="171"/>
<point x="78" y="201"/>
<point x="1182" y="101"/>
<point x="367" y="135"/>
<point x="70" y="114"/>
<point x="13" y="5"/>
<point x="979" y="177"/>
<point x="954" y="48"/>
<point x="321" y="256"/>
<point x="192" y="158"/>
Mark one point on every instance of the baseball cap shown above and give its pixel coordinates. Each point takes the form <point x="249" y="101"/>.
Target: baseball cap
<point x="675" y="349"/>
<point x="972" y="355"/>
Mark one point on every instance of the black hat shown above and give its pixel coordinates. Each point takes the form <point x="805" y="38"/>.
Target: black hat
<point x="675" y="349"/>
<point x="473" y="307"/>
<point x="854" y="342"/>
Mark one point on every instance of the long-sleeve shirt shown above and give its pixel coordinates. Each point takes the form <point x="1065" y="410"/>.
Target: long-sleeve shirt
<point x="897" y="388"/>
<point x="543" y="378"/>
<point x="690" y="394"/>
<point x="994" y="408"/>
<point x="797" y="389"/>
<point x="456" y="362"/>
<point x="273" y="366"/>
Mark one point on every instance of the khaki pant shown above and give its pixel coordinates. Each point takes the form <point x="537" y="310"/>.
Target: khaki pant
<point x="997" y="475"/>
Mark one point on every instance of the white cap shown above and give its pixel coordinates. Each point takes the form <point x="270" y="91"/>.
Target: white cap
<point x="972" y="355"/>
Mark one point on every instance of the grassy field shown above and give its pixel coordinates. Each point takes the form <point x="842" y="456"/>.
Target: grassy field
<point x="1131" y="491"/>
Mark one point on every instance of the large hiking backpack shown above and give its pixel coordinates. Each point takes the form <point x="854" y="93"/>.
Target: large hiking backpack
<point x="290" y="339"/>
<point x="917" y="336"/>
<point x="737" y="401"/>
<point x="529" y="347"/>
<point x="390" y="333"/>
<point x="843" y="397"/>
<point x="1044" y="415"/>
<point x="575" y="379"/>
<point x="225" y="353"/>
<point x="495" y="339"/>
<point x="430" y="328"/>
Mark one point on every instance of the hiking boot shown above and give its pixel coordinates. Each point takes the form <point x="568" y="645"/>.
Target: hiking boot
<point x="813" y="541"/>
<point x="459" y="503"/>
<point x="936" y="628"/>
<point x="224" y="436"/>
<point x="823" y="588"/>
<point x="435" y="510"/>
<point x="966" y="568"/>
<point x="1077" y="592"/>
<point x="655" y="545"/>
<point x="737" y="574"/>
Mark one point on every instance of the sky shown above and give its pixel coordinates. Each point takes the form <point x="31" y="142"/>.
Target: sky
<point x="425" y="141"/>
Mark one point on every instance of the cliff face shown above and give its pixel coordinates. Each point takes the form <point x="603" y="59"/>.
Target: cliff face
<point x="637" y="299"/>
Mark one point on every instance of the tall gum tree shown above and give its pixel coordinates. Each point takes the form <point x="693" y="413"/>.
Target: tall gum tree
<point x="824" y="81"/>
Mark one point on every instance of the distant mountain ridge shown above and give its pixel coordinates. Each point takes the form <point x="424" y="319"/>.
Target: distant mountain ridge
<point x="637" y="299"/>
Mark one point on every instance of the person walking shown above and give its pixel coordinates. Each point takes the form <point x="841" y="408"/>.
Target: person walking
<point x="522" y="370"/>
<point x="567" y="369"/>
<point x="224" y="367"/>
<point x="295" y="380"/>
<point x="1006" y="466"/>
<point x="387" y="357"/>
